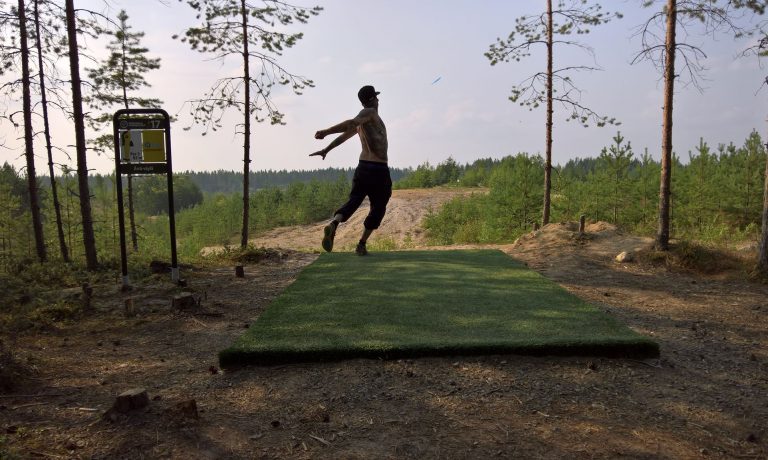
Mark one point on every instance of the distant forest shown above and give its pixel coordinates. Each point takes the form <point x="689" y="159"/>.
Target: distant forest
<point x="232" y="182"/>
<point x="222" y="181"/>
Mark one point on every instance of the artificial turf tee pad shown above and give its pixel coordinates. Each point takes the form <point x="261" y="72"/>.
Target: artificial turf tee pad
<point x="428" y="303"/>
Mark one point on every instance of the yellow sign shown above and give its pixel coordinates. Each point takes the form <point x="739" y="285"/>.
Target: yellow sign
<point x="153" y="146"/>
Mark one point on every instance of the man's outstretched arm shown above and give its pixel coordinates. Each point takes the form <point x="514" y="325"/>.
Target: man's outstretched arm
<point x="348" y="129"/>
<point x="347" y="125"/>
<point x="334" y="143"/>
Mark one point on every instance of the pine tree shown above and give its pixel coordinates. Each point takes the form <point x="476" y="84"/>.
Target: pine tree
<point x="118" y="81"/>
<point x="696" y="197"/>
<point x="617" y="159"/>
<point x="237" y="28"/>
<point x="761" y="49"/>
<point x="41" y="70"/>
<point x="89" y="238"/>
<point x="714" y="15"/>
<point x="575" y="17"/>
<point x="29" y="153"/>
<point x="762" y="259"/>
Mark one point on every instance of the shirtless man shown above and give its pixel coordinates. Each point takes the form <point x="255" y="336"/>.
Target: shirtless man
<point x="371" y="177"/>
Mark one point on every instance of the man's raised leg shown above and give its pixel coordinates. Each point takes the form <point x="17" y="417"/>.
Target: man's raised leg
<point x="329" y="232"/>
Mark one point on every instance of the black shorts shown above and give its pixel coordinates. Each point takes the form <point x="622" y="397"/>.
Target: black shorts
<point x="371" y="179"/>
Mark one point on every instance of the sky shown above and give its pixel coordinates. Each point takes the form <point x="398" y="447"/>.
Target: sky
<point x="401" y="47"/>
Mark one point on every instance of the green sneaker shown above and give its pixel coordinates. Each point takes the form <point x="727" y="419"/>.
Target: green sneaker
<point x="329" y="232"/>
<point x="360" y="249"/>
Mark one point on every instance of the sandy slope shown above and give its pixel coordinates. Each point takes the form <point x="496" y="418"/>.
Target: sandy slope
<point x="400" y="226"/>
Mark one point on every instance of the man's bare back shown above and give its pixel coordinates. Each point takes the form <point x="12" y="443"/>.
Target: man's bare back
<point x="373" y="136"/>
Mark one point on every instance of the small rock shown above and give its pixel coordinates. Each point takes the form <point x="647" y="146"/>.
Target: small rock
<point x="275" y="423"/>
<point x="624" y="256"/>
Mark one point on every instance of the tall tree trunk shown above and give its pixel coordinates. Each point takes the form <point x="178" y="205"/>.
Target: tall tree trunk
<point x="47" y="133"/>
<point x="131" y="213"/>
<point x="34" y="198"/>
<point x="246" y="128"/>
<point x="762" y="260"/>
<point x="89" y="239"/>
<point x="662" y="235"/>
<point x="548" y="160"/>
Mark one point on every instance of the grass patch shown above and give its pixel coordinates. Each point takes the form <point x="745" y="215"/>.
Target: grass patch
<point x="419" y="303"/>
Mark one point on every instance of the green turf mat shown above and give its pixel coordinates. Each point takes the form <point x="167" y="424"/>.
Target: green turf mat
<point x="428" y="303"/>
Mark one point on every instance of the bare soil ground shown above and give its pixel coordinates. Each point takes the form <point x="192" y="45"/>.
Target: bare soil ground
<point x="706" y="397"/>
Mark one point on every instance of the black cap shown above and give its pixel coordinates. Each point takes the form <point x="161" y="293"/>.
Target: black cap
<point x="367" y="93"/>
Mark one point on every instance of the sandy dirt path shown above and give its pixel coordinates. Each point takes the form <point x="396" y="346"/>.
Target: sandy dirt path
<point x="400" y="227"/>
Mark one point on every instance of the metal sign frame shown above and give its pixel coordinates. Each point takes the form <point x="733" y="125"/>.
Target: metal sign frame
<point x="127" y="120"/>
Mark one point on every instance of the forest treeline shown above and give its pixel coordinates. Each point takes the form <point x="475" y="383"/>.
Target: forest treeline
<point x="230" y="181"/>
<point x="717" y="193"/>
<point x="717" y="198"/>
<point x="222" y="181"/>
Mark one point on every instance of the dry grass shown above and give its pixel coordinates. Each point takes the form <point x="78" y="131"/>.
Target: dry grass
<point x="693" y="257"/>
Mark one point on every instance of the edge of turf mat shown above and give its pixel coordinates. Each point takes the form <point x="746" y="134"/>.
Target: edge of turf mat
<point x="343" y="306"/>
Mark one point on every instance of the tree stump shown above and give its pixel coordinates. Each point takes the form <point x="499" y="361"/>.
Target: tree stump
<point x="159" y="267"/>
<point x="188" y="409"/>
<point x="239" y="271"/>
<point x="129" y="308"/>
<point x="127" y="401"/>
<point x="184" y="301"/>
<point x="87" y="296"/>
<point x="535" y="226"/>
<point x="582" y="222"/>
